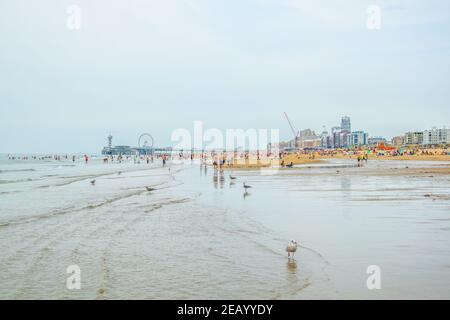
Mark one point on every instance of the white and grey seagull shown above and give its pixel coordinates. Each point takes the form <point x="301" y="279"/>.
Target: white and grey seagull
<point x="291" y="249"/>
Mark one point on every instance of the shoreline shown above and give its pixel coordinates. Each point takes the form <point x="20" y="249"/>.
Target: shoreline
<point x="305" y="159"/>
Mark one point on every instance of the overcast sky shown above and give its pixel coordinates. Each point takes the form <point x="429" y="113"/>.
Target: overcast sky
<point x="157" y="65"/>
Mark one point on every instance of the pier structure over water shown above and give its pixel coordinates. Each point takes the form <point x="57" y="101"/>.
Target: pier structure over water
<point x="145" y="147"/>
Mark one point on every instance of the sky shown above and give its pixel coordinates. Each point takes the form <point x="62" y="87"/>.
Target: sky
<point x="156" y="66"/>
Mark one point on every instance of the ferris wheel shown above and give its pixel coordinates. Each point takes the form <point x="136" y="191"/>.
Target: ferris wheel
<point x="145" y="141"/>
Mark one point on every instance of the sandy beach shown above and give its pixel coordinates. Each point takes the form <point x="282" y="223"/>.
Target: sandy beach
<point x="396" y="158"/>
<point x="253" y="162"/>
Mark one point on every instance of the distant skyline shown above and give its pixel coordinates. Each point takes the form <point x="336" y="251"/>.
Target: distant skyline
<point x="154" y="66"/>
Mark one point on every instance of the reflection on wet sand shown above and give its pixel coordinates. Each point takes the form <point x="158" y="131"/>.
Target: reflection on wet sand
<point x="292" y="267"/>
<point x="218" y="179"/>
<point x="327" y="206"/>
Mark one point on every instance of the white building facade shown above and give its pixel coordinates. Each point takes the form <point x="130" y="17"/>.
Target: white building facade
<point x="415" y="137"/>
<point x="357" y="138"/>
<point x="436" y="136"/>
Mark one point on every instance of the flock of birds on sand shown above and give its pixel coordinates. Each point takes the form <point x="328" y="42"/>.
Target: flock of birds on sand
<point x="291" y="247"/>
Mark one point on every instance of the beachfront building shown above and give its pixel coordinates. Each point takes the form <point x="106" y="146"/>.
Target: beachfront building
<point x="311" y="142"/>
<point x="344" y="139"/>
<point x="357" y="138"/>
<point x="335" y="140"/>
<point x="374" y="141"/>
<point x="309" y="139"/>
<point x="414" y="137"/>
<point x="398" y="141"/>
<point x="436" y="136"/>
<point x="339" y="135"/>
<point x="324" y="138"/>
<point x="346" y="125"/>
<point x="339" y="138"/>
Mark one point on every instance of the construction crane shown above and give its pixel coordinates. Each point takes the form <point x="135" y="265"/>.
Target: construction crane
<point x="296" y="133"/>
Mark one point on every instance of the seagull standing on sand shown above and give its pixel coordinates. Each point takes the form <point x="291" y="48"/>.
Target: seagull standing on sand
<point x="150" y="189"/>
<point x="93" y="182"/>
<point x="291" y="248"/>
<point x="232" y="178"/>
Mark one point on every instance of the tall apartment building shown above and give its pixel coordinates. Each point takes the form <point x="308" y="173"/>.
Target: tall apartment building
<point x="357" y="138"/>
<point x="436" y="136"/>
<point x="415" y="137"/>
<point x="346" y="125"/>
<point x="335" y="137"/>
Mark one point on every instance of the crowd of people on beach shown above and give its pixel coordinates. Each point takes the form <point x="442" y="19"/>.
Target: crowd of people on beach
<point x="33" y="157"/>
<point x="385" y="151"/>
<point x="230" y="159"/>
<point x="86" y="158"/>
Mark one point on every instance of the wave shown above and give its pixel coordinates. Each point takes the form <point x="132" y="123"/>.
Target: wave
<point x="72" y="209"/>
<point x="9" y="192"/>
<point x="16" y="170"/>
<point x="15" y="181"/>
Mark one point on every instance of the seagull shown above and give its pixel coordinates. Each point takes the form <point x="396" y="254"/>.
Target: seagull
<point x="231" y="177"/>
<point x="93" y="182"/>
<point x="246" y="186"/>
<point x="291" y="248"/>
<point x="150" y="189"/>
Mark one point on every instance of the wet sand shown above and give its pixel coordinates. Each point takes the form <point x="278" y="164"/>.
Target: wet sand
<point x="197" y="235"/>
